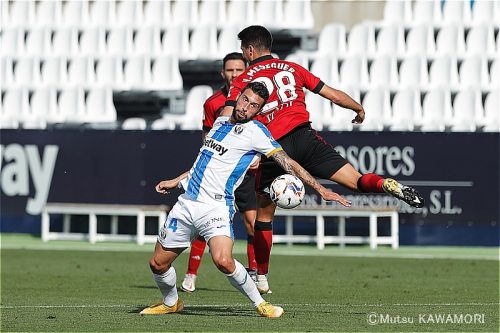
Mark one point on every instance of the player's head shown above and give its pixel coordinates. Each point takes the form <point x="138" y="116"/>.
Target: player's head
<point x="255" y="41"/>
<point x="250" y="101"/>
<point x="233" y="65"/>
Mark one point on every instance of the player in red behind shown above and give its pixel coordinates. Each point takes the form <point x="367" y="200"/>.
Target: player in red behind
<point x="233" y="65"/>
<point x="287" y="118"/>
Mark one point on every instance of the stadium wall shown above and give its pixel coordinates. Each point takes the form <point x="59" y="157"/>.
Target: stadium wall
<point x="457" y="173"/>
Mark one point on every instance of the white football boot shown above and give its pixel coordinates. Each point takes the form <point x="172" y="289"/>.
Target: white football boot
<point x="189" y="283"/>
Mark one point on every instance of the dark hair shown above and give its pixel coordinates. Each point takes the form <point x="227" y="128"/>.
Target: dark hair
<point x="233" y="56"/>
<point x="257" y="36"/>
<point x="258" y="88"/>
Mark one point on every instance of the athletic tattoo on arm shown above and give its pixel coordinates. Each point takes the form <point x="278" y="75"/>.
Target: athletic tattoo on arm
<point x="292" y="167"/>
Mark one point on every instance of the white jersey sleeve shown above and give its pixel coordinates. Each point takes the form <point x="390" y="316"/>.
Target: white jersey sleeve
<point x="262" y="140"/>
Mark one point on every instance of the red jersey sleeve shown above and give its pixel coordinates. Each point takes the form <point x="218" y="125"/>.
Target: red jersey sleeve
<point x="311" y="81"/>
<point x="209" y="115"/>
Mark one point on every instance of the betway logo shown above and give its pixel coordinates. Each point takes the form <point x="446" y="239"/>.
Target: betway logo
<point x="210" y="143"/>
<point x="21" y="162"/>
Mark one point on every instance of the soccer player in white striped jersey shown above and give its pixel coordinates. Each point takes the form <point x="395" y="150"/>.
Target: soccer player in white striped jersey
<point x="206" y="208"/>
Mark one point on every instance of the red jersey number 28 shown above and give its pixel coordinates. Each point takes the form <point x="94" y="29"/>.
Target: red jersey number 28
<point x="285" y="85"/>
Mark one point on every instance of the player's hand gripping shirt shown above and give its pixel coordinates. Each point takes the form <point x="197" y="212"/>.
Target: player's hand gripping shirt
<point x="227" y="153"/>
<point x="286" y="107"/>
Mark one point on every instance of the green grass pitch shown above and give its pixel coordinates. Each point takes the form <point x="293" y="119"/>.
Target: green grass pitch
<point x="74" y="286"/>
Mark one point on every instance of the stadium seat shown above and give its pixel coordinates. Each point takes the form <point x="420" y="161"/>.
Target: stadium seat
<point x="137" y="73"/>
<point x="420" y="40"/>
<point x="491" y="113"/>
<point x="480" y="40"/>
<point x="109" y="72"/>
<point x="483" y="11"/>
<point x="376" y="103"/>
<point x="4" y="17"/>
<point x="354" y="72"/>
<point x="129" y="13"/>
<point x="444" y="72"/>
<point x="450" y="40"/>
<point x="436" y="110"/>
<point x="6" y="72"/>
<point x="397" y="11"/>
<point x="48" y="13"/>
<point x="213" y="12"/>
<point x="406" y="110"/>
<point x="119" y="41"/>
<point x="92" y="42"/>
<point x="15" y="105"/>
<point x="163" y="124"/>
<point x="37" y="42"/>
<point x="342" y="118"/>
<point x="71" y="105"/>
<point x="12" y="42"/>
<point x="147" y="41"/>
<point x="361" y="40"/>
<point x="176" y="41"/>
<point x="157" y="12"/>
<point x="234" y="10"/>
<point x="297" y="14"/>
<point x="384" y="73"/>
<point x="99" y="106"/>
<point x="270" y="14"/>
<point x="495" y="74"/>
<point x="165" y="73"/>
<point x="102" y="13"/>
<point x="192" y="119"/>
<point x="473" y="72"/>
<point x="332" y="39"/>
<point x="65" y="42"/>
<point x="427" y="11"/>
<point x="27" y="72"/>
<point x="228" y="41"/>
<point x="467" y="111"/>
<point x="203" y="43"/>
<point x="390" y="40"/>
<point x="75" y="13"/>
<point x="44" y="107"/>
<point x="320" y="110"/>
<point x="413" y="73"/>
<point x="302" y="59"/>
<point x="457" y="11"/>
<point x="22" y="13"/>
<point x="186" y="13"/>
<point x="134" y="123"/>
<point x="81" y="71"/>
<point x="54" y="70"/>
<point x="327" y="69"/>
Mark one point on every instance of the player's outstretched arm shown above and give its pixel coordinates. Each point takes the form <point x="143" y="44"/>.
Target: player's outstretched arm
<point x="342" y="99"/>
<point x="165" y="185"/>
<point x="292" y="167"/>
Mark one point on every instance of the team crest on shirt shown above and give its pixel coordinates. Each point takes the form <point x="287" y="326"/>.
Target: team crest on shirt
<point x="238" y="129"/>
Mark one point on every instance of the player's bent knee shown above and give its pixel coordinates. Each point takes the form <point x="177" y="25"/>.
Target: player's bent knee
<point x="224" y="263"/>
<point x="157" y="267"/>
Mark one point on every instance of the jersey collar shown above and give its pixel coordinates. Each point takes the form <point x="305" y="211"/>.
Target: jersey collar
<point x="263" y="58"/>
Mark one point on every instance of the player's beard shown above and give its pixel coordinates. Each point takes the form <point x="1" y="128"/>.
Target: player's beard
<point x="239" y="119"/>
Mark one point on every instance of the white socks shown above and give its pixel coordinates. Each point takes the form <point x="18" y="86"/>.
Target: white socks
<point x="166" y="284"/>
<point x="244" y="283"/>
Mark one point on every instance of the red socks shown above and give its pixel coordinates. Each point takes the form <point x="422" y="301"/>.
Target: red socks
<point x="197" y="250"/>
<point x="252" y="264"/>
<point x="370" y="183"/>
<point x="263" y="241"/>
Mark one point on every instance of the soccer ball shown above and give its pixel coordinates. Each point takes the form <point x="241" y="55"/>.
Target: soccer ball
<point x="287" y="191"/>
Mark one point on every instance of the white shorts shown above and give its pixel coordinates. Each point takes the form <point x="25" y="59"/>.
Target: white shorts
<point x="189" y="218"/>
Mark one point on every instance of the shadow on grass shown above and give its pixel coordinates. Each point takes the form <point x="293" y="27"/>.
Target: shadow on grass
<point x="194" y="310"/>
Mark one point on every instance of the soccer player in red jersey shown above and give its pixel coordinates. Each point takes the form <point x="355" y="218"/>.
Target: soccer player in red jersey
<point x="287" y="118"/>
<point x="233" y="65"/>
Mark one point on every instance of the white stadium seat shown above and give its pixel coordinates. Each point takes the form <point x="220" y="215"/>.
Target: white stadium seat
<point x="102" y="13"/>
<point x="147" y="41"/>
<point x="390" y="40"/>
<point x="444" y="72"/>
<point x="413" y="73"/>
<point x="44" y="108"/>
<point x="420" y="40"/>
<point x="163" y="124"/>
<point x="27" y="71"/>
<point x="22" y="13"/>
<point x="361" y="39"/>
<point x="129" y="13"/>
<point x="48" y="13"/>
<point x="473" y="72"/>
<point x="457" y="11"/>
<point x="137" y="73"/>
<point x="185" y="13"/>
<point x="99" y="106"/>
<point x="354" y="72"/>
<point x="406" y="110"/>
<point x="427" y="11"/>
<point x="483" y="11"/>
<point x="377" y="105"/>
<point x="436" y="110"/>
<point x="384" y="72"/>
<point x="71" y="105"/>
<point x="12" y="43"/>
<point x="451" y="40"/>
<point x="203" y="43"/>
<point x="15" y="105"/>
<point x="212" y="12"/>
<point x="157" y="12"/>
<point x="302" y="59"/>
<point x="297" y="14"/>
<point x="65" y="42"/>
<point x="332" y="39"/>
<point x="192" y="119"/>
<point x="134" y="123"/>
<point x="75" y="13"/>
<point x="327" y="69"/>
<point x="480" y="40"/>
<point x="228" y="41"/>
<point x="234" y="10"/>
<point x="109" y="72"/>
<point x="37" y="42"/>
<point x="320" y="110"/>
<point x="342" y="118"/>
<point x="467" y="111"/>
<point x="491" y="112"/>
<point x="176" y="41"/>
<point x="93" y="42"/>
<point x="81" y="71"/>
<point x="53" y="70"/>
<point x="269" y="14"/>
<point x="165" y="73"/>
<point x="495" y="74"/>
<point x="119" y="41"/>
<point x="397" y="11"/>
<point x="6" y="72"/>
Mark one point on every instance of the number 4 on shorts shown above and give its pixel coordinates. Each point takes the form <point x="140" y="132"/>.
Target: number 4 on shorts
<point x="172" y="225"/>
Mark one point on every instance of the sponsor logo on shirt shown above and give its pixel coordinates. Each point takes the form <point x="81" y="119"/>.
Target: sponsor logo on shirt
<point x="210" y="143"/>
